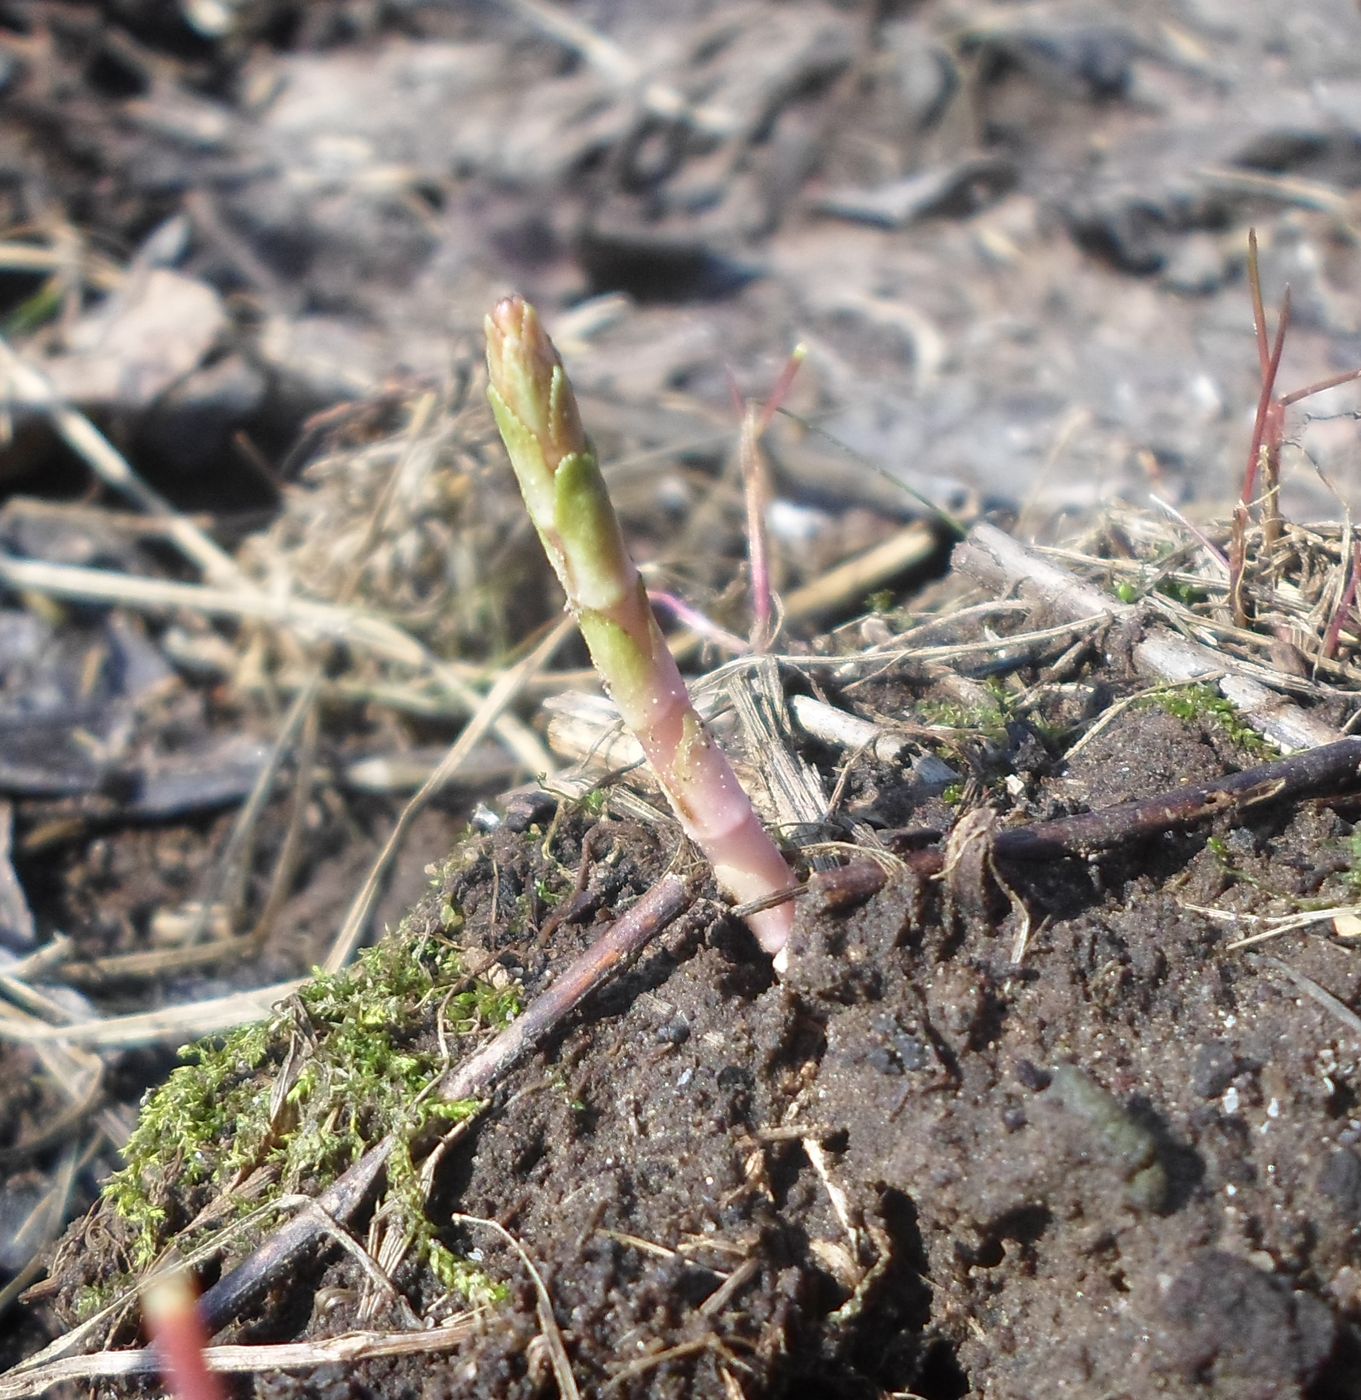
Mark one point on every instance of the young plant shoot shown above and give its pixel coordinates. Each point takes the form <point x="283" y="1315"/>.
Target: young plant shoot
<point x="177" y="1330"/>
<point x="565" y="493"/>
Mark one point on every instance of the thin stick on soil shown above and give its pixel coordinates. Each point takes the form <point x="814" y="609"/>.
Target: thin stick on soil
<point x="1329" y="770"/>
<point x="622" y="941"/>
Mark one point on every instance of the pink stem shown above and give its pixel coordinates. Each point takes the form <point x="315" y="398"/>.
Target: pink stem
<point x="179" y="1336"/>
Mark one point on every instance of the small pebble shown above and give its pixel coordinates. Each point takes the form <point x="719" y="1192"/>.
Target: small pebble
<point x="1213" y="1067"/>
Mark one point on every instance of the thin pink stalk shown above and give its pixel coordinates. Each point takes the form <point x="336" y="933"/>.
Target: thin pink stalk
<point x="1268" y="420"/>
<point x="177" y="1331"/>
<point x="1205" y="542"/>
<point x="755" y="479"/>
<point x="1334" y="381"/>
<point x="1268" y="430"/>
<point x="1346" y="608"/>
<point x="697" y="622"/>
<point x="758" y="554"/>
<point x="780" y="392"/>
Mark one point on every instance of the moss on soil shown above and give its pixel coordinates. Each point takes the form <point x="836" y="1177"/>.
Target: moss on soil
<point x="1205" y="705"/>
<point x="352" y="1057"/>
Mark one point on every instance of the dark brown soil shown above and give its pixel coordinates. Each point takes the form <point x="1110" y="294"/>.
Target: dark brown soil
<point x="1124" y="1165"/>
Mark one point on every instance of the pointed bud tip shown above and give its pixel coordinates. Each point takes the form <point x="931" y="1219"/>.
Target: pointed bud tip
<point x="167" y="1297"/>
<point x="515" y="335"/>
<point x="509" y="315"/>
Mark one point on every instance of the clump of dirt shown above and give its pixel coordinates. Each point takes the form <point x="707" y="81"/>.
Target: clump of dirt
<point x="1008" y="1129"/>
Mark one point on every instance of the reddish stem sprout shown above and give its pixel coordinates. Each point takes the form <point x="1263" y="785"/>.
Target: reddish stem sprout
<point x="697" y="622"/>
<point x="756" y="488"/>
<point x="178" y="1333"/>
<point x="565" y="494"/>
<point x="1268" y="434"/>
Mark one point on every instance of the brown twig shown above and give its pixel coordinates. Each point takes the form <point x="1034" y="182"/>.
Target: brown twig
<point x="472" y="1079"/>
<point x="1333" y="768"/>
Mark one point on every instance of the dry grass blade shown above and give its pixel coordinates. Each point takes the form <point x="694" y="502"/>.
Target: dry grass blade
<point x="171" y="1025"/>
<point x="794" y="790"/>
<point x="112" y="468"/>
<point x="552" y="1334"/>
<point x="314" y="621"/>
<point x="1303" y="612"/>
<point x="497" y="698"/>
<point x="98" y="272"/>
<point x="1289" y="923"/>
<point x="1006" y="563"/>
<point x="653" y="1361"/>
<point x="1290" y="190"/>
<point x="1000" y="649"/>
<point x="311" y="620"/>
<point x="347" y="1348"/>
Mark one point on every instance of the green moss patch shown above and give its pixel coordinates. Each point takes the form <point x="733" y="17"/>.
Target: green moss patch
<point x="1203" y="704"/>
<point x="347" y="1060"/>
